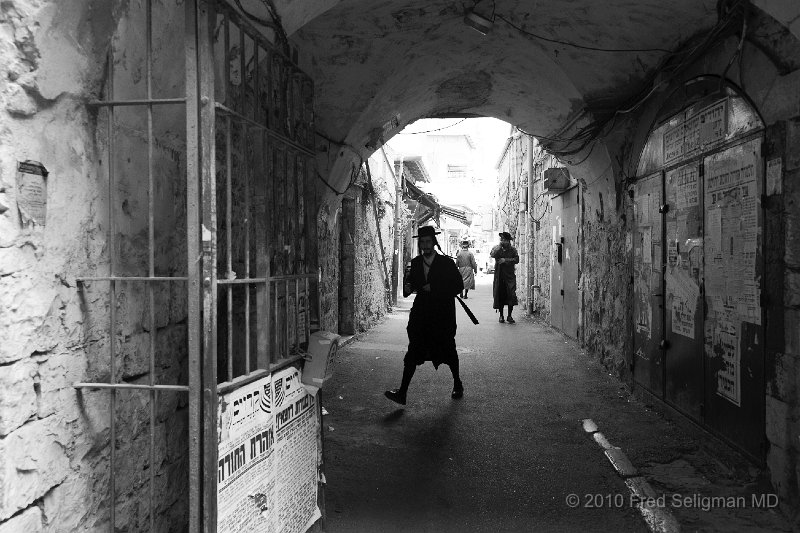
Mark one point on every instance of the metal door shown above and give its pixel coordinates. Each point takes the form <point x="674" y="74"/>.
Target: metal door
<point x="648" y="368"/>
<point x="683" y="357"/>
<point x="564" y="299"/>
<point x="734" y="336"/>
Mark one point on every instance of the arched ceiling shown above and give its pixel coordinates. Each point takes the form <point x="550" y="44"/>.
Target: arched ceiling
<point x="373" y="60"/>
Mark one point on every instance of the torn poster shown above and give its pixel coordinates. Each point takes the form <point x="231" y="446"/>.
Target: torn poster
<point x="732" y="222"/>
<point x="683" y="292"/>
<point x="32" y="192"/>
<point x="725" y="344"/>
<point x="297" y="464"/>
<point x="245" y="471"/>
<point x="647" y="245"/>
<point x="774" y="176"/>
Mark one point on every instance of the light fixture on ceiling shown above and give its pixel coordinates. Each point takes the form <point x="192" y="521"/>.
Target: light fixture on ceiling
<point x="477" y="22"/>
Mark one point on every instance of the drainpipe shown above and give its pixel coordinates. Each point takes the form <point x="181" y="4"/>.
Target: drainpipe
<point x="398" y="196"/>
<point x="531" y="230"/>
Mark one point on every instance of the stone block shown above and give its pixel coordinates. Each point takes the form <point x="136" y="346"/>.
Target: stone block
<point x="780" y="470"/>
<point x="19" y="102"/>
<point x="15" y="259"/>
<point x="777" y="422"/>
<point x="28" y="521"/>
<point x="17" y="395"/>
<point x="30" y="471"/>
<point x="66" y="505"/>
<point x="782" y="376"/>
<point x="791" y="322"/>
<point x="26" y="306"/>
<point x="57" y="374"/>
<point x="791" y="294"/>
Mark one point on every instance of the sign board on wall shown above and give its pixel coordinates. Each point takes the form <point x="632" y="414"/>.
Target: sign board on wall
<point x="32" y="192"/>
<point x="267" y="474"/>
<point x="696" y="132"/>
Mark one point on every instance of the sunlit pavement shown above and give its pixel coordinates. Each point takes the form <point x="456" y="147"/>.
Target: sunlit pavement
<point x="512" y="455"/>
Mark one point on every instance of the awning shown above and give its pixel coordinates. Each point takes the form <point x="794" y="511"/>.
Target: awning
<point x="431" y="208"/>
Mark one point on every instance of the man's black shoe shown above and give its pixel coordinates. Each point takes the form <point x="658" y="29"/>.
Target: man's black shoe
<point x="502" y="319"/>
<point x="510" y="320"/>
<point x="396" y="396"/>
<point x="458" y="391"/>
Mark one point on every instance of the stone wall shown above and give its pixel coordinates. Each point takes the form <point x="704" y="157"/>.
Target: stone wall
<point x="370" y="293"/>
<point x="54" y="331"/>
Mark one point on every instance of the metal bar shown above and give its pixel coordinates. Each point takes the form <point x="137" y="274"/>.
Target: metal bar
<point x="248" y="217"/>
<point x="277" y="136"/>
<point x="229" y="239"/>
<point x="130" y="278"/>
<point x="242" y="77"/>
<point x="250" y="29"/>
<point x="130" y="386"/>
<point x="151" y="255"/>
<point x="286" y="319"/>
<point x="262" y="230"/>
<point x="136" y="102"/>
<point x="240" y="381"/>
<point x="227" y="59"/>
<point x="194" y="329"/>
<point x="112" y="295"/>
<point x="307" y="325"/>
<point x="256" y="83"/>
<point x="275" y="356"/>
<point x="297" y="314"/>
<point x="243" y="281"/>
<point x="254" y="281"/>
<point x="209" y="261"/>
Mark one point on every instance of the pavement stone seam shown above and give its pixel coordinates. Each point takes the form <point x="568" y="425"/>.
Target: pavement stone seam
<point x="658" y="519"/>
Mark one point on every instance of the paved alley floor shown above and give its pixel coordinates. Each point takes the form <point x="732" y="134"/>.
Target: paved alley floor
<point x="508" y="456"/>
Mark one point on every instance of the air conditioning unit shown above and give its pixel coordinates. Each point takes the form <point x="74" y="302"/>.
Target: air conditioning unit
<point x="556" y="180"/>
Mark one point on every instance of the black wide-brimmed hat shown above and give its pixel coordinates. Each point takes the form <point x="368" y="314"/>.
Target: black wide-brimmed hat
<point x="426" y="231"/>
<point x="506" y="235"/>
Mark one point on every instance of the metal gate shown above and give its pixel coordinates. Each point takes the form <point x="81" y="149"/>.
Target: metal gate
<point x="226" y="130"/>
<point x="703" y="351"/>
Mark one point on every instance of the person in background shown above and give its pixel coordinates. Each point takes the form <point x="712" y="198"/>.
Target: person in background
<point x="466" y="264"/>
<point x="432" y="320"/>
<point x="504" y="288"/>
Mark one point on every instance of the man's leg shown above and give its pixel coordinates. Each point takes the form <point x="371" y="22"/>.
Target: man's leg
<point x="510" y="318"/>
<point x="465" y="292"/>
<point x="399" y="395"/>
<point x="458" y="387"/>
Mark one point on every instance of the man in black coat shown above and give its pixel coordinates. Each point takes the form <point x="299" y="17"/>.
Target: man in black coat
<point x="432" y="321"/>
<point x="504" y="288"/>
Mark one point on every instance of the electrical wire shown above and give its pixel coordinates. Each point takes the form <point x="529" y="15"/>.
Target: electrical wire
<point x="431" y="131"/>
<point x="576" y="45"/>
<point x="670" y="67"/>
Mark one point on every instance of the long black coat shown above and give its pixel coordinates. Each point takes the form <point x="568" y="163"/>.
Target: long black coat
<point x="504" y="286"/>
<point x="432" y="321"/>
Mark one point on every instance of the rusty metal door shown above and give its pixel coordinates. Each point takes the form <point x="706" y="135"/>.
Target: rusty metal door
<point x="734" y="334"/>
<point x="648" y="367"/>
<point x="683" y="356"/>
